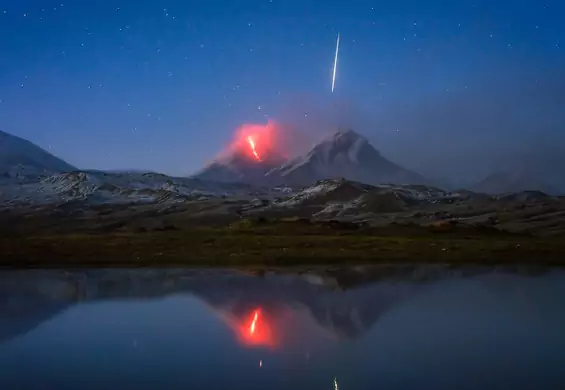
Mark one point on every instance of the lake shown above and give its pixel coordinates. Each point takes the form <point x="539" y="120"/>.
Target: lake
<point x="388" y="327"/>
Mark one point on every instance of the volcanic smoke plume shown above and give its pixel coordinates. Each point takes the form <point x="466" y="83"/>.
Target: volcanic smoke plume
<point x="254" y="150"/>
<point x="261" y="143"/>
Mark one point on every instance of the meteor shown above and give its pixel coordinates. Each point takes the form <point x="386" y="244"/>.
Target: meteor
<point x="335" y="62"/>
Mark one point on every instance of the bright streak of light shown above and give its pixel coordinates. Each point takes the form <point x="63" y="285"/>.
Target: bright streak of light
<point x="254" y="322"/>
<point x="252" y="145"/>
<point x="255" y="330"/>
<point x="335" y="62"/>
<point x="336" y="387"/>
<point x="260" y="363"/>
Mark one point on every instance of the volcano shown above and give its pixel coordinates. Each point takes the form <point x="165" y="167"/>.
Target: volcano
<point x="513" y="181"/>
<point x="240" y="167"/>
<point x="253" y="152"/>
<point x="345" y="154"/>
<point x="20" y="158"/>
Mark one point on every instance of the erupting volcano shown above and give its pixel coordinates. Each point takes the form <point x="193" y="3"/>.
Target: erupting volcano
<point x="258" y="142"/>
<point x="255" y="150"/>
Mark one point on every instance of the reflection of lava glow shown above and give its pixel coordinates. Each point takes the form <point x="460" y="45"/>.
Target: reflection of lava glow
<point x="254" y="322"/>
<point x="252" y="146"/>
<point x="256" y="331"/>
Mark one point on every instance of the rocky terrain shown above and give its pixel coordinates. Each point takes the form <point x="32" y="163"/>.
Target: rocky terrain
<point x="96" y="187"/>
<point x="135" y="216"/>
<point x="83" y="201"/>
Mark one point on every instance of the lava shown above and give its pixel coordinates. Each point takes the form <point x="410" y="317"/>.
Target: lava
<point x="251" y="143"/>
<point x="258" y="142"/>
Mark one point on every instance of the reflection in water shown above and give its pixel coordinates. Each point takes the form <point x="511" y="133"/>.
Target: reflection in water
<point x="371" y="327"/>
<point x="256" y="331"/>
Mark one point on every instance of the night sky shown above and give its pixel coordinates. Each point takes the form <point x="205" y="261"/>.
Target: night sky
<point x="162" y="85"/>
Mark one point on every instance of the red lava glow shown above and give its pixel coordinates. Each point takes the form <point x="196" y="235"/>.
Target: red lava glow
<point x="259" y="142"/>
<point x="254" y="322"/>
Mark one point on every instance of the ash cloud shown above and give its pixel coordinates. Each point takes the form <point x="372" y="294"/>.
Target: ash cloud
<point x="516" y="122"/>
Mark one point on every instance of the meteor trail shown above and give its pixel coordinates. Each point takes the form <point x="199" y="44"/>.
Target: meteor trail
<point x="335" y="62"/>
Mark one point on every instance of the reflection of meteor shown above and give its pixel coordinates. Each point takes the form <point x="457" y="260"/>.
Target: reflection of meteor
<point x="335" y="62"/>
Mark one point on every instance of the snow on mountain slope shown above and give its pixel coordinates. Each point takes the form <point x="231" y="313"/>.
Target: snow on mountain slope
<point x="342" y="197"/>
<point x="21" y="159"/>
<point x="103" y="187"/>
<point x="239" y="167"/>
<point x="345" y="154"/>
<point x="325" y="191"/>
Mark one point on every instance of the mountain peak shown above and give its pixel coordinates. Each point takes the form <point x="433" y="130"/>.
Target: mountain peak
<point x="513" y="181"/>
<point x="342" y="142"/>
<point x="20" y="158"/>
<point x="346" y="139"/>
<point x="347" y="134"/>
<point x="344" y="154"/>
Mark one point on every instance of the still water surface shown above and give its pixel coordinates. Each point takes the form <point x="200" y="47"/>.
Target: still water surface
<point x="362" y="328"/>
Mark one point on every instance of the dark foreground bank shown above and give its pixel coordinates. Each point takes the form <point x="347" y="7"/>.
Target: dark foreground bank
<point x="278" y="244"/>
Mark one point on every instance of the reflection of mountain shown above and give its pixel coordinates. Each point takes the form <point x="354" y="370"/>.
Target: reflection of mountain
<point x="27" y="298"/>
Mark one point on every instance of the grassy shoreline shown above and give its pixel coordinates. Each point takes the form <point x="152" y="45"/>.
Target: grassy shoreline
<point x="278" y="245"/>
